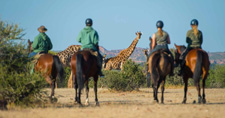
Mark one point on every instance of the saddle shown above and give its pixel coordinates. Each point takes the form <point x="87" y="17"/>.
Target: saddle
<point x="165" y="52"/>
<point x="36" y="57"/>
<point x="95" y="53"/>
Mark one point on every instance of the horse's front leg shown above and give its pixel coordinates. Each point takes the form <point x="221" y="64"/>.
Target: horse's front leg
<point x="75" y="87"/>
<point x="185" y="89"/>
<point x="95" y="89"/>
<point x="162" y="89"/>
<point x="53" y="89"/>
<point x="199" y="91"/>
<point x="87" y="91"/>
<point x="203" y="91"/>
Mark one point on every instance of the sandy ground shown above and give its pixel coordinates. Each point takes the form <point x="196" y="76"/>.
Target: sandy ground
<point x="128" y="105"/>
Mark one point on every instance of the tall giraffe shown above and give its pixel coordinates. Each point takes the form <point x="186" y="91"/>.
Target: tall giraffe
<point x="65" y="57"/>
<point x="66" y="54"/>
<point x="118" y="61"/>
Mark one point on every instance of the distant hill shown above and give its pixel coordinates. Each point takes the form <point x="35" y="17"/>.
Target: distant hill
<point x="138" y="55"/>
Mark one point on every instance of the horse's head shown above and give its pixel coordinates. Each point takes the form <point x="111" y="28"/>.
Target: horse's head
<point x="29" y="47"/>
<point x="179" y="50"/>
<point x="104" y="61"/>
<point x="150" y="44"/>
<point x="138" y="34"/>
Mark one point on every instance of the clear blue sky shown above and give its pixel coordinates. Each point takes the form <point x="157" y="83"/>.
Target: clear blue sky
<point x="117" y="20"/>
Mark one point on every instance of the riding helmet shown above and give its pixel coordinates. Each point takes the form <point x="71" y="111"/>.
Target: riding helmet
<point x="159" y="24"/>
<point x="194" y="22"/>
<point x="88" y="21"/>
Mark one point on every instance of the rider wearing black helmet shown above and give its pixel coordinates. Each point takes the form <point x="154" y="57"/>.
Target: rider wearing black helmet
<point x="88" y="37"/>
<point x="194" y="40"/>
<point x="160" y="40"/>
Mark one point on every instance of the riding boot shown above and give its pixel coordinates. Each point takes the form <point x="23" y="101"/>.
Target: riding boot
<point x="99" y="63"/>
<point x="182" y="63"/>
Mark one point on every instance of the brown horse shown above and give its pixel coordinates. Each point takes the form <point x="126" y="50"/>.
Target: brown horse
<point x="197" y="64"/>
<point x="84" y="66"/>
<point x="159" y="66"/>
<point x="50" y="66"/>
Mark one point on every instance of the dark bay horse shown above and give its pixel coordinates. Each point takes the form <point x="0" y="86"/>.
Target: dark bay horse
<point x="50" y="66"/>
<point x="159" y="66"/>
<point x="84" y="66"/>
<point x="197" y="64"/>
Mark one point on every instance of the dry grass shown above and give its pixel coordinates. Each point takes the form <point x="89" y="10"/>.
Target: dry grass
<point x="127" y="104"/>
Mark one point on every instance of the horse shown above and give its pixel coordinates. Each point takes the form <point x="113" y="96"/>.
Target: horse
<point x="197" y="64"/>
<point x="84" y="66"/>
<point x="50" y="67"/>
<point x="159" y="65"/>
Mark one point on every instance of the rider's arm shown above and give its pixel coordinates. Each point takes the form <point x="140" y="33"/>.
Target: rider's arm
<point x="153" y="41"/>
<point x="201" y="38"/>
<point x="79" y="37"/>
<point x="96" y="38"/>
<point x="49" y="44"/>
<point x="168" y="39"/>
<point x="35" y="43"/>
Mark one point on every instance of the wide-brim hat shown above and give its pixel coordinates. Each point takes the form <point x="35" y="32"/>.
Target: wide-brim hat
<point x="42" y="29"/>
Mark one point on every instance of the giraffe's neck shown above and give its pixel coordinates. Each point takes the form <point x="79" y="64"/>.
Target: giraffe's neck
<point x="125" y="54"/>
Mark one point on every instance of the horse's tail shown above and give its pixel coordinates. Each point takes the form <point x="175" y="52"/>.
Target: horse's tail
<point x="57" y="64"/>
<point x="79" y="70"/>
<point x="154" y="66"/>
<point x="198" y="67"/>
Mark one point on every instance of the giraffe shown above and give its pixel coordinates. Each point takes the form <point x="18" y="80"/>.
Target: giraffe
<point x="118" y="61"/>
<point x="147" y="74"/>
<point x="65" y="57"/>
<point x="66" y="54"/>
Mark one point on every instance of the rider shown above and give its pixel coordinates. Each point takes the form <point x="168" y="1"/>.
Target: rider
<point x="88" y="37"/>
<point x="160" y="40"/>
<point x="194" y="40"/>
<point x="41" y="44"/>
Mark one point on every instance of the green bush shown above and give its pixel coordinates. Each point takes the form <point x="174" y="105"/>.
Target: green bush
<point x="131" y="78"/>
<point x="16" y="84"/>
<point x="216" y="78"/>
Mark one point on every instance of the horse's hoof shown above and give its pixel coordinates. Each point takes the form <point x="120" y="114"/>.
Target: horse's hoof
<point x="97" y="104"/>
<point x="53" y="99"/>
<point x="155" y="101"/>
<point x="194" y="102"/>
<point x="184" y="102"/>
<point x="86" y="103"/>
<point x="203" y="101"/>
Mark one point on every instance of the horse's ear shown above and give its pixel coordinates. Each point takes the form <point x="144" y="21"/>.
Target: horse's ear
<point x="175" y="45"/>
<point x="104" y="56"/>
<point x="28" y="40"/>
<point x="150" y="38"/>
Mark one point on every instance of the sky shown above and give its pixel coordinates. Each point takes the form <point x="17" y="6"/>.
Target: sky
<point x="116" y="21"/>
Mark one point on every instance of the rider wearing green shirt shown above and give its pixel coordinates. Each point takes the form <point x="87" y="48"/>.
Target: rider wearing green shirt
<point x="160" y="40"/>
<point x="41" y="44"/>
<point x="88" y="37"/>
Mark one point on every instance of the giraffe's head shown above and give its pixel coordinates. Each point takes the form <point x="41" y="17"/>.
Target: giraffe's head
<point x="145" y="51"/>
<point x="138" y="34"/>
<point x="29" y="47"/>
<point x="150" y="45"/>
<point x="104" y="61"/>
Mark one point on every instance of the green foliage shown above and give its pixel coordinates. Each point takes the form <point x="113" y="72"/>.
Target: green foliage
<point x="216" y="78"/>
<point x="129" y="79"/>
<point x="16" y="84"/>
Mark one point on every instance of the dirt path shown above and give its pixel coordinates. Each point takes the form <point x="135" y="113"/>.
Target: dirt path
<point x="128" y="105"/>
